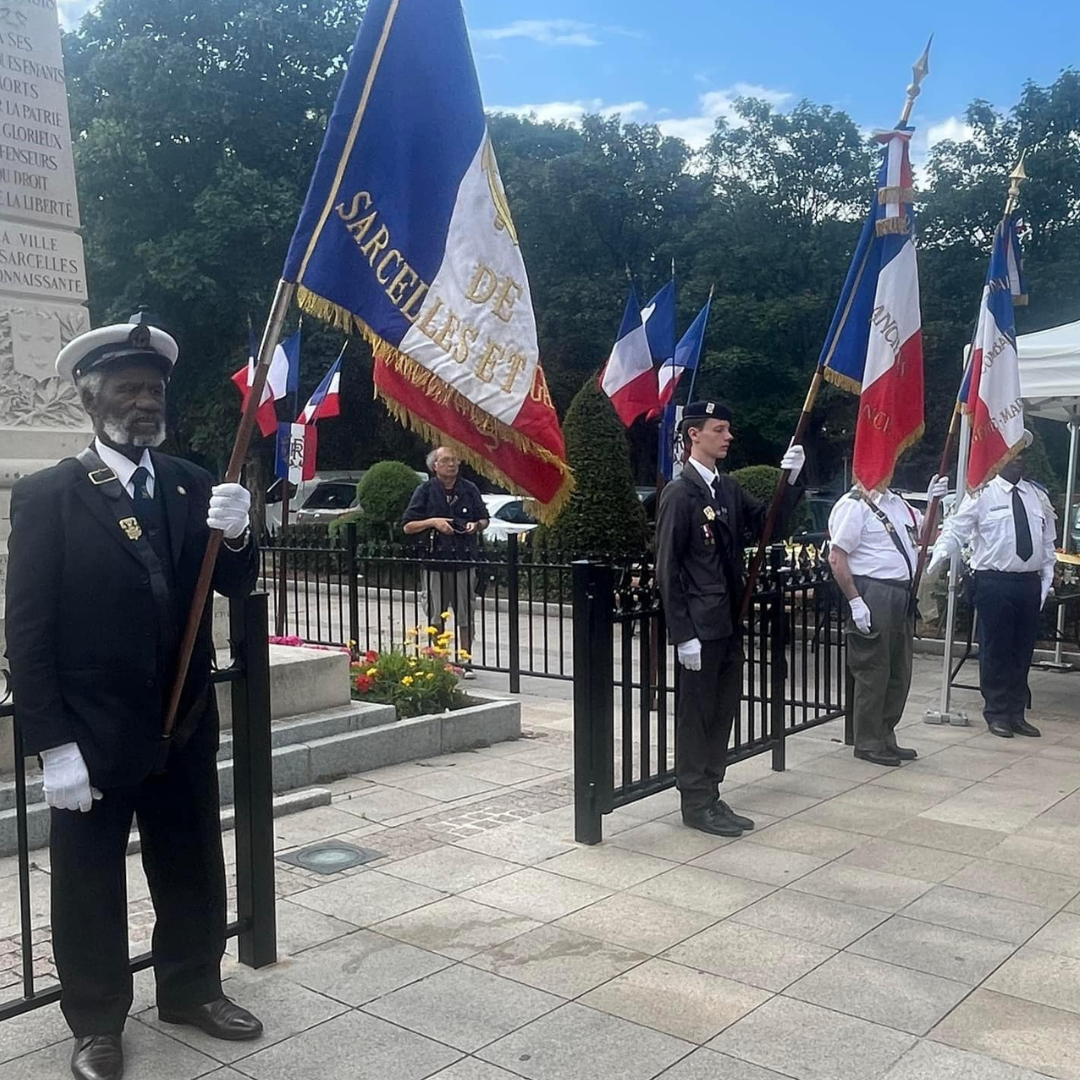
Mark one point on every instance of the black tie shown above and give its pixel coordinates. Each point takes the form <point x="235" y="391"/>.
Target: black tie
<point x="145" y="505"/>
<point x="1022" y="526"/>
<point x="714" y="488"/>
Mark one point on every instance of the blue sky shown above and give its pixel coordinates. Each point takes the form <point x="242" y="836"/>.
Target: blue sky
<point x="682" y="62"/>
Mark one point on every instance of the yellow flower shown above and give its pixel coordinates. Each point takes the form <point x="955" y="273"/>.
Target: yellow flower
<point x="412" y="663"/>
<point x="430" y="675"/>
<point x="463" y="655"/>
<point x="444" y="616"/>
<point x="407" y="681"/>
<point x="431" y="631"/>
<point x="372" y="671"/>
<point x="412" y="633"/>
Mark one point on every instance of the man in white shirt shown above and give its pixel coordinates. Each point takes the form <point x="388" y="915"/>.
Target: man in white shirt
<point x="874" y="545"/>
<point x="1011" y="527"/>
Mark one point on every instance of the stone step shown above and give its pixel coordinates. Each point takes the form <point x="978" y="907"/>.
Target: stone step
<point x="37" y="819"/>
<point x="355" y="716"/>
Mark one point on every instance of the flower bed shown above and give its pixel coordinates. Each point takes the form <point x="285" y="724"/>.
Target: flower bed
<point x="418" y="677"/>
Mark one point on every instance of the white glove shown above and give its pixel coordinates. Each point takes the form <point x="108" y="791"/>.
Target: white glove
<point x="67" y="783"/>
<point x="793" y="461"/>
<point x="938" y="489"/>
<point x="689" y="653"/>
<point x="860" y="613"/>
<point x="1047" y="589"/>
<point x="229" y="510"/>
<point x="939" y="558"/>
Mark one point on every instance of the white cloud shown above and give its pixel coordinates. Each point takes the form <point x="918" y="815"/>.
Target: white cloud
<point x="695" y="130"/>
<point x="71" y="11"/>
<point x="954" y="128"/>
<point x="543" y="32"/>
<point x="571" y="112"/>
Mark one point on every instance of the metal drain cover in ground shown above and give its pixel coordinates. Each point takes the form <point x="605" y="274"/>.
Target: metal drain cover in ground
<point x="330" y="858"/>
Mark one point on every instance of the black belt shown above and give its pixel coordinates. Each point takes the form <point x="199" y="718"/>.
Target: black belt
<point x="1012" y="575"/>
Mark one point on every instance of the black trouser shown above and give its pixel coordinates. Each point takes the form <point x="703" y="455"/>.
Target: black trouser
<point x="706" y="705"/>
<point x="1008" y="610"/>
<point x="179" y="825"/>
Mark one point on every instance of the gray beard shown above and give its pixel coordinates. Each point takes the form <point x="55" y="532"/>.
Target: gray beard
<point x="122" y="437"/>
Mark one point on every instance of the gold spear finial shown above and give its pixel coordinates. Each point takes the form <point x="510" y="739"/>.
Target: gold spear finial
<point x="919" y="70"/>
<point x="1016" y="178"/>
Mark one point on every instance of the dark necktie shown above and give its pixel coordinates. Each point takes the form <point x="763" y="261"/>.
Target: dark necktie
<point x="714" y="488"/>
<point x="1022" y="526"/>
<point x="146" y="506"/>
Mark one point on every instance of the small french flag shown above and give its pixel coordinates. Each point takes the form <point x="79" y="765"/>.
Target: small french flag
<point x="326" y="400"/>
<point x="295" y="456"/>
<point x="629" y="378"/>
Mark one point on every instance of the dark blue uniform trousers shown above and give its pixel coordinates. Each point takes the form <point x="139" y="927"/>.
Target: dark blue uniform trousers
<point x="1008" y="610"/>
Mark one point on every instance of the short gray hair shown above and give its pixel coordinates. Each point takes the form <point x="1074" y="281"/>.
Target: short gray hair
<point x="432" y="455"/>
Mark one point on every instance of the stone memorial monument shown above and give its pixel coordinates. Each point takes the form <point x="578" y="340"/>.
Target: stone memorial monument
<point x="42" y="271"/>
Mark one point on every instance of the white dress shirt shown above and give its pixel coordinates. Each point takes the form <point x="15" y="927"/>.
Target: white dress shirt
<point x="709" y="476"/>
<point x="125" y="468"/>
<point x="985" y="521"/>
<point x="871" y="552"/>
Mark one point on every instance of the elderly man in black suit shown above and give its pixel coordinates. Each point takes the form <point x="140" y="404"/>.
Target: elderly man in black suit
<point x="104" y="552"/>
<point x="703" y="525"/>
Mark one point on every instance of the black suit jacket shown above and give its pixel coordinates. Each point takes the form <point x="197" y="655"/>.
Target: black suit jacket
<point x="83" y="631"/>
<point x="696" y="591"/>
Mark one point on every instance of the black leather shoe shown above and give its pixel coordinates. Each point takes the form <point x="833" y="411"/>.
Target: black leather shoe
<point x="711" y="821"/>
<point x="220" y="1019"/>
<point x="1024" y="728"/>
<point x="744" y="823"/>
<point x="98" y="1057"/>
<point x="904" y="753"/>
<point x="876" y="757"/>
<point x="1000" y="728"/>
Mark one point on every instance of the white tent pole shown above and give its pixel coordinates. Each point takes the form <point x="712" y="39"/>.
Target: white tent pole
<point x="1066" y="528"/>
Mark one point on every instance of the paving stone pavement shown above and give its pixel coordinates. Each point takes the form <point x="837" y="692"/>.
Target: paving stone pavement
<point x="920" y="923"/>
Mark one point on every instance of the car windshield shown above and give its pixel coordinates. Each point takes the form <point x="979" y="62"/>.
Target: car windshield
<point x="336" y="496"/>
<point x="514" y="512"/>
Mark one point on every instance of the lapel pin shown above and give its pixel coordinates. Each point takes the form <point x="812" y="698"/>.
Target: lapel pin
<point x="180" y="489"/>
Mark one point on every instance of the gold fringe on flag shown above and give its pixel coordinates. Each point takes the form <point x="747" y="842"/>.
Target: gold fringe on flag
<point x="844" y="382"/>
<point x="892" y="226"/>
<point x="895" y="195"/>
<point x="493" y="429"/>
<point x="906" y="445"/>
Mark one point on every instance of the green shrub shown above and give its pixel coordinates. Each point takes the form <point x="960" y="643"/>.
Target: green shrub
<point x="337" y="526"/>
<point x="759" y="482"/>
<point x="603" y="516"/>
<point x="384" y="493"/>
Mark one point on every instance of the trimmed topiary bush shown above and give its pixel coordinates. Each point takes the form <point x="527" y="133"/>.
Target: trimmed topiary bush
<point x="603" y="516"/>
<point x="384" y="492"/>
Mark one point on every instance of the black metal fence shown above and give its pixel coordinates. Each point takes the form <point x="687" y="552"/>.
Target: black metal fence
<point x="255" y="925"/>
<point x="333" y="591"/>
<point x="628" y="681"/>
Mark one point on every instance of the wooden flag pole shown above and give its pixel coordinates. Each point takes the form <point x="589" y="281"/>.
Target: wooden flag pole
<point x="282" y="299"/>
<point x="1016" y="177"/>
<point x="920" y="69"/>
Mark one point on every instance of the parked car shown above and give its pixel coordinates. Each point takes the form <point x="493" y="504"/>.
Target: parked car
<point x="330" y="498"/>
<point x="298" y="495"/>
<point x="506" y="515"/>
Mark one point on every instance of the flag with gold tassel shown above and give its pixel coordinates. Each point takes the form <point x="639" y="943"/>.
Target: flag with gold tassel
<point x="406" y="237"/>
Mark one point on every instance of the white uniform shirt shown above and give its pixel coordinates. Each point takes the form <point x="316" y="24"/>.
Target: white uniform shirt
<point x="710" y="478"/>
<point x="985" y="520"/>
<point x="125" y="468"/>
<point x="871" y="552"/>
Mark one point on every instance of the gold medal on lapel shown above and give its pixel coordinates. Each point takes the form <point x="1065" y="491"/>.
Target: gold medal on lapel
<point x="132" y="528"/>
<point x="710" y="513"/>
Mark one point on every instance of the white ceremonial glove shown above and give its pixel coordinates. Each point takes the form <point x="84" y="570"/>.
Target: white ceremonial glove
<point x="67" y="783"/>
<point x="860" y="613"/>
<point x="1047" y="589"/>
<point x="937" y="560"/>
<point x="689" y="653"/>
<point x="793" y="461"/>
<point x="938" y="489"/>
<point x="229" y="510"/>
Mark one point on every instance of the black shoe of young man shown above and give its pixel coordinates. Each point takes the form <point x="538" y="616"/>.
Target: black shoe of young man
<point x="98" y="1057"/>
<point x="220" y="1019"/>
<point x="710" y="820"/>
<point x="1022" y="727"/>
<point x="1000" y="728"/>
<point x="903" y="753"/>
<point x="877" y="757"/>
<point x="744" y="823"/>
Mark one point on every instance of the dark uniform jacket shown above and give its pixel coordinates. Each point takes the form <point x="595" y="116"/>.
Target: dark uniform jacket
<point x="85" y="638"/>
<point x="699" y="552"/>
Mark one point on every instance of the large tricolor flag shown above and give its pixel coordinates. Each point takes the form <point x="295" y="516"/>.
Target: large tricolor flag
<point x="629" y="377"/>
<point x="874" y="346"/>
<point x="283" y="378"/>
<point x="990" y="391"/>
<point x="406" y="236"/>
<point x="325" y="401"/>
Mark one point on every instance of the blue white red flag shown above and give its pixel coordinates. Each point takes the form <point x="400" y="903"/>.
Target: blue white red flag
<point x="326" y="399"/>
<point x="672" y="446"/>
<point x="282" y="379"/>
<point x="294" y="459"/>
<point x="990" y="391"/>
<point x="629" y="377"/>
<point x="687" y="354"/>
<point x="406" y="236"/>
<point x="874" y="346"/>
<point x="658" y="315"/>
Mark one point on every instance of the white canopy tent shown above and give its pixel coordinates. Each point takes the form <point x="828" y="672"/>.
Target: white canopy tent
<point x="1050" y="385"/>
